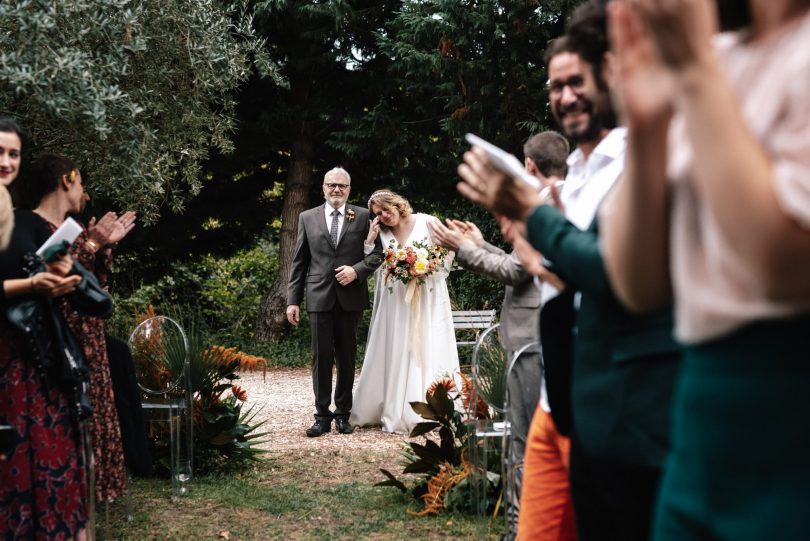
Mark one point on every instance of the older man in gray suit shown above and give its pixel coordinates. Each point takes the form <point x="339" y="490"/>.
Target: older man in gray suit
<point x="545" y="153"/>
<point x="334" y="259"/>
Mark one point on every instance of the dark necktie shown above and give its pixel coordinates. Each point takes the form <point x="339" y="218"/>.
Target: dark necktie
<point x="334" y="229"/>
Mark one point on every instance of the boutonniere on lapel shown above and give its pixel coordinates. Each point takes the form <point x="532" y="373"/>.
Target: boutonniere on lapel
<point x="350" y="215"/>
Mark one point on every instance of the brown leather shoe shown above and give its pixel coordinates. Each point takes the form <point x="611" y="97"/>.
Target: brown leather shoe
<point x="343" y="426"/>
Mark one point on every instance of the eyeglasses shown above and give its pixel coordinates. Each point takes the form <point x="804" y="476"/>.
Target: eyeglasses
<point x="336" y="186"/>
<point x="576" y="83"/>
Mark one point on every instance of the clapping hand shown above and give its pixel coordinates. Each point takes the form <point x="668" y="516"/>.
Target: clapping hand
<point x="643" y="92"/>
<point x="123" y="225"/>
<point x="494" y="190"/>
<point x="445" y="236"/>
<point x="469" y="229"/>
<point x="110" y="228"/>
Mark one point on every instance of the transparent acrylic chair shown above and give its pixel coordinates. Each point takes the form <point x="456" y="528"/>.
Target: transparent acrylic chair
<point x="489" y="430"/>
<point x="512" y="466"/>
<point x="160" y="351"/>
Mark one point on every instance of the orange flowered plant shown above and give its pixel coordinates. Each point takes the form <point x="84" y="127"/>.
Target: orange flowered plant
<point x="481" y="408"/>
<point x="222" y="356"/>
<point x="239" y="393"/>
<point x="439" y="485"/>
<point x="223" y="432"/>
<point x="441" y="460"/>
<point x="448" y="384"/>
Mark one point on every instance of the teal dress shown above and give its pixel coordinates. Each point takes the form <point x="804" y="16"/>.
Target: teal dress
<point x="740" y="463"/>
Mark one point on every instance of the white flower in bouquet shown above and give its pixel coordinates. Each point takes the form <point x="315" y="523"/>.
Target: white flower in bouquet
<point x="422" y="253"/>
<point x="401" y="254"/>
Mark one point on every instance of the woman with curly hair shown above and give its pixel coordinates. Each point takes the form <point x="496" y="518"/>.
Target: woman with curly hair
<point x="411" y="339"/>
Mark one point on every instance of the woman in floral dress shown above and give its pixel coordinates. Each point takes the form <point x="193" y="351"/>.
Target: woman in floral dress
<point x="58" y="186"/>
<point x="42" y="477"/>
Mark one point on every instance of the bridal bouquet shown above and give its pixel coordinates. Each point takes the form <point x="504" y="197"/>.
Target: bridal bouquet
<point x="412" y="263"/>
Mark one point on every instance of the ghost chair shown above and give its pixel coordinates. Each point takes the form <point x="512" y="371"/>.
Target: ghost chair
<point x="489" y="430"/>
<point x="161" y="355"/>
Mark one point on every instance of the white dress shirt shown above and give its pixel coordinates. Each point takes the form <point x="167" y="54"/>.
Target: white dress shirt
<point x="587" y="183"/>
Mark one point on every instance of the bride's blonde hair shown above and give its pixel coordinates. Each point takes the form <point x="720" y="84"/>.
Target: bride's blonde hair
<point x="389" y="199"/>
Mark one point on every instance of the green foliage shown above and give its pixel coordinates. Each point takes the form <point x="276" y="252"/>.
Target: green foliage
<point x="233" y="289"/>
<point x="452" y="67"/>
<point x="455" y="436"/>
<point x="225" y="436"/>
<point x="222" y="292"/>
<point x="489" y="375"/>
<point x="137" y="91"/>
<point x="273" y="501"/>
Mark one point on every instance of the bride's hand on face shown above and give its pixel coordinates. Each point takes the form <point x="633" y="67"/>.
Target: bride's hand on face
<point x="373" y="230"/>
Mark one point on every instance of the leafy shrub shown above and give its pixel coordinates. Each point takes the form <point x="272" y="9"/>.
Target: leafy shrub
<point x="443" y="462"/>
<point x="221" y="293"/>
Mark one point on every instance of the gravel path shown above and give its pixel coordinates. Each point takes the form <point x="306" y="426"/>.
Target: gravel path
<point x="288" y="406"/>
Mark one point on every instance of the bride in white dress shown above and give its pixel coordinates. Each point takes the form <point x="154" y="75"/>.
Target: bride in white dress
<point x="410" y="345"/>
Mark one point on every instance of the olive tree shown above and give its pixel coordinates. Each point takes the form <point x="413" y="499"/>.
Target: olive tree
<point x="138" y="91"/>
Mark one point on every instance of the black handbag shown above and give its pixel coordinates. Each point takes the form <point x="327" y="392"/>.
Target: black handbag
<point x="57" y="355"/>
<point x="89" y="299"/>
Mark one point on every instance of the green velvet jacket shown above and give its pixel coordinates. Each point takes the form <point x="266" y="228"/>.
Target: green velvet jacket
<point x="625" y="365"/>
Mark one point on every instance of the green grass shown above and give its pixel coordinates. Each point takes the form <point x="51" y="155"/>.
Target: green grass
<point x="280" y="502"/>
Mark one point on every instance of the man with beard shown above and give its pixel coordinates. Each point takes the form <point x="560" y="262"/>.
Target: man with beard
<point x="332" y="266"/>
<point x="624" y="365"/>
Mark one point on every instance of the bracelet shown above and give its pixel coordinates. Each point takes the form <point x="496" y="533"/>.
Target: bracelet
<point x="92" y="244"/>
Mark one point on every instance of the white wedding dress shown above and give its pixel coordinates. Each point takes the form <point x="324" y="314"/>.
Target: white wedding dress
<point x="398" y="367"/>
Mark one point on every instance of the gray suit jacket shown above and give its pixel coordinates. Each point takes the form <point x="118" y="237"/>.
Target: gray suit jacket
<point x="520" y="313"/>
<point x="315" y="261"/>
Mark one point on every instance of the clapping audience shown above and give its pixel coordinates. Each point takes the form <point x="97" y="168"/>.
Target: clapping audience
<point x="545" y="154"/>
<point x="711" y="214"/>
<point x="42" y="469"/>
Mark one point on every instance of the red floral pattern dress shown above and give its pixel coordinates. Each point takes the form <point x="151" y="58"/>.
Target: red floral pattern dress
<point x="111" y="476"/>
<point x="42" y="479"/>
<point x="42" y="488"/>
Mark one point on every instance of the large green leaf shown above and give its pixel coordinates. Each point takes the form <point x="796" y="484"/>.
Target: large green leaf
<point x="424" y="410"/>
<point x="439" y="402"/>
<point x="423" y="428"/>
<point x="391" y="482"/>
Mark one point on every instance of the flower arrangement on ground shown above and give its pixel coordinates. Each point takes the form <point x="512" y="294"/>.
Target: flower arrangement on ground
<point x="225" y="436"/>
<point x="442" y="462"/>
<point x="417" y="262"/>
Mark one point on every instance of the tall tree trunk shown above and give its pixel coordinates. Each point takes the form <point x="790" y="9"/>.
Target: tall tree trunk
<point x="272" y="321"/>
